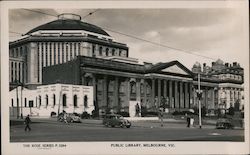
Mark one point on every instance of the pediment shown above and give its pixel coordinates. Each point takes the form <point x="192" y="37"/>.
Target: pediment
<point x="175" y="69"/>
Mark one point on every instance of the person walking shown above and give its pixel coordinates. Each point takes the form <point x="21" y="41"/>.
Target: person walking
<point x="27" y="122"/>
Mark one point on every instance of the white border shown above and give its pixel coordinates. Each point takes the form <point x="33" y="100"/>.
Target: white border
<point x="104" y="147"/>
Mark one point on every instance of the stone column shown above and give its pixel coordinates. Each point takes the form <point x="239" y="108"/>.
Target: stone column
<point x="94" y="89"/>
<point x="186" y="104"/>
<point x="105" y="90"/>
<point x="145" y="92"/>
<point x="138" y="90"/>
<point x="116" y="92"/>
<point x="212" y="97"/>
<point x="128" y="89"/>
<point x="159" y="93"/>
<point x="176" y="96"/>
<point x="165" y="89"/>
<point x="170" y="94"/>
<point x="181" y="95"/>
<point x="153" y="93"/>
<point x="191" y="94"/>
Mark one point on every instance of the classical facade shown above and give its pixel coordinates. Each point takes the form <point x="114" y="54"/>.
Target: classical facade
<point x="70" y="51"/>
<point x="228" y="82"/>
<point x="51" y="98"/>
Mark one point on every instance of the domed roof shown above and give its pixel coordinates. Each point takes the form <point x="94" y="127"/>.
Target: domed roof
<point x="69" y="24"/>
<point x="197" y="64"/>
<point x="219" y="61"/>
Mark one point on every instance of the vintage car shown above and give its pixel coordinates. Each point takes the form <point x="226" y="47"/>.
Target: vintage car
<point x="70" y="118"/>
<point x="116" y="120"/>
<point x="224" y="123"/>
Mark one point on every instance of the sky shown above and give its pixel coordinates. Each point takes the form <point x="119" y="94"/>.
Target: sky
<point x="211" y="32"/>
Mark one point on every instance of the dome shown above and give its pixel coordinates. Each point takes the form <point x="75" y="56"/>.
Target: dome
<point x="197" y="64"/>
<point x="219" y="62"/>
<point x="65" y="23"/>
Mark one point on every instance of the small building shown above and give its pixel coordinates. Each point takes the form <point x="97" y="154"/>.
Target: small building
<point x="46" y="99"/>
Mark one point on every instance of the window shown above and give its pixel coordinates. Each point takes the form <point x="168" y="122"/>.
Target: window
<point x="40" y="101"/>
<point x="31" y="104"/>
<point x="50" y="53"/>
<point x="47" y="101"/>
<point x="93" y="50"/>
<point x="85" y="101"/>
<point x="54" y="45"/>
<point x="54" y="100"/>
<point x="42" y="55"/>
<point x="100" y="51"/>
<point x="107" y="51"/>
<point x="75" y="101"/>
<point x="38" y="61"/>
<point x="25" y="102"/>
<point x="67" y="54"/>
<point x="70" y="50"/>
<point x="46" y="54"/>
<point x="12" y="102"/>
<point x="64" y="100"/>
<point x="12" y="72"/>
<point x="113" y="52"/>
<point x="62" y="52"/>
<point x="58" y="50"/>
<point x="19" y="71"/>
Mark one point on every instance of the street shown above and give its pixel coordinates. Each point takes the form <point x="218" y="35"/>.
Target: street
<point x="91" y="130"/>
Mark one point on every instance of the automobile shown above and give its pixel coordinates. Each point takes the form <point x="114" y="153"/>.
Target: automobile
<point x="224" y="123"/>
<point x="73" y="118"/>
<point x="116" y="120"/>
<point x="70" y="117"/>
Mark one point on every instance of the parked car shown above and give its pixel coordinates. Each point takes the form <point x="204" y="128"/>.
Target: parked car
<point x="115" y="120"/>
<point x="73" y="118"/>
<point x="224" y="123"/>
<point x="70" y="118"/>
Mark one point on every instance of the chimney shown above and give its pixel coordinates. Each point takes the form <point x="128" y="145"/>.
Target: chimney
<point x="234" y="63"/>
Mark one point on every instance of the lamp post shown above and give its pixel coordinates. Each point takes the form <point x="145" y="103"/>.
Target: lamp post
<point x="18" y="83"/>
<point x="199" y="94"/>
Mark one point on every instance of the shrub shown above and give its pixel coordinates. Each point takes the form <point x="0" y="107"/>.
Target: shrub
<point x="52" y="114"/>
<point x="143" y="111"/>
<point x="231" y="111"/>
<point x="85" y="115"/>
<point x="95" y="113"/>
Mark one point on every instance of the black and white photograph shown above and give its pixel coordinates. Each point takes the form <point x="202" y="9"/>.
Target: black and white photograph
<point x="152" y="79"/>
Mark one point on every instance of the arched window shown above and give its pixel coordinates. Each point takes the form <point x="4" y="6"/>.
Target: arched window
<point x="64" y="100"/>
<point x="54" y="100"/>
<point x="40" y="101"/>
<point x="25" y="102"/>
<point x="75" y="100"/>
<point x="107" y="51"/>
<point x="100" y="51"/>
<point x="113" y="52"/>
<point x="85" y="101"/>
<point x="47" y="101"/>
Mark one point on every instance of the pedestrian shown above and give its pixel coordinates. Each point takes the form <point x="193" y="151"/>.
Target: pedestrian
<point x="27" y="122"/>
<point x="188" y="121"/>
<point x="137" y="109"/>
<point x="161" y="116"/>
